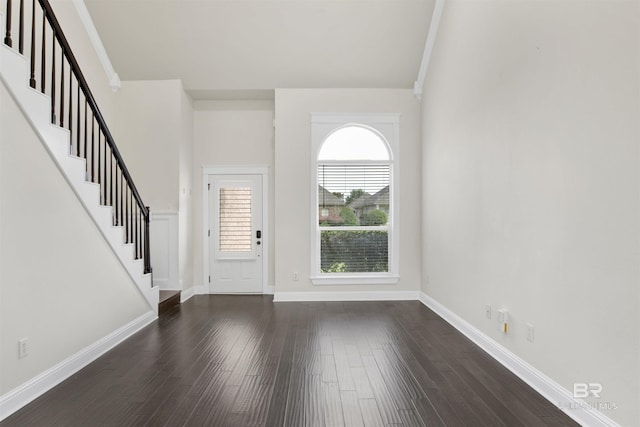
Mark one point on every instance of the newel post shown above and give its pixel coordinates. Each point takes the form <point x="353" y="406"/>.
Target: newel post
<point x="147" y="255"/>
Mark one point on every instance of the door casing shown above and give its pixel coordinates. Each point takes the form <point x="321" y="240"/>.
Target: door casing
<point x="207" y="171"/>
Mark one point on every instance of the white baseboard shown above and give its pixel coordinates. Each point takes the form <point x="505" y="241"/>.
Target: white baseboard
<point x="347" y="296"/>
<point x="575" y="408"/>
<point x="32" y="389"/>
<point x="269" y="290"/>
<point x="186" y="294"/>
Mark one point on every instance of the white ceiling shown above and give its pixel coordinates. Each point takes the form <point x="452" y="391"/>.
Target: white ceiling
<point x="246" y="48"/>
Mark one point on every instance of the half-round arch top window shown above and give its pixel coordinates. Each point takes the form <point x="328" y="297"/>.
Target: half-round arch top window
<point x="354" y="238"/>
<point x="354" y="143"/>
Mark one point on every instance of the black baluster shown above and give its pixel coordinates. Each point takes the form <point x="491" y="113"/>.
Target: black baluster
<point x="105" y="182"/>
<point x="147" y="257"/>
<point x="115" y="199"/>
<point x="140" y="230"/>
<point x="113" y="189"/>
<point x="86" y="158"/>
<point x="53" y="77"/>
<point x="114" y="180"/>
<point x="93" y="147"/>
<point x="7" y="37"/>
<point x="43" y="69"/>
<point x="61" y="87"/>
<point x="133" y="226"/>
<point x="107" y="174"/>
<point x="130" y="218"/>
<point x="135" y="237"/>
<point x="121" y="196"/>
<point x="70" y="109"/>
<point x="126" y="213"/>
<point x="78" y="121"/>
<point x="71" y="103"/>
<point x="99" y="176"/>
<point x="21" y="28"/>
<point x="32" y="80"/>
<point x="135" y="229"/>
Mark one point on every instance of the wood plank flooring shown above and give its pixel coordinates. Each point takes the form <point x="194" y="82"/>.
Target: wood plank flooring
<point x="246" y="361"/>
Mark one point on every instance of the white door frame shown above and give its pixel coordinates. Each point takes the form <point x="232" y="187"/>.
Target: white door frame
<point x="207" y="171"/>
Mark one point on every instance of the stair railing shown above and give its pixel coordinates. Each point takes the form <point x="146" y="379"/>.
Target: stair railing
<point x="73" y="107"/>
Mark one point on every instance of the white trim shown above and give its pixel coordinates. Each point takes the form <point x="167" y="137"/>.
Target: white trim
<point x="235" y="170"/>
<point x="35" y="387"/>
<point x="428" y="48"/>
<point x="270" y="290"/>
<point x="347" y="296"/>
<point x="165" y="243"/>
<point x="187" y="294"/>
<point x="96" y="41"/>
<point x="541" y="383"/>
<point x="338" y="279"/>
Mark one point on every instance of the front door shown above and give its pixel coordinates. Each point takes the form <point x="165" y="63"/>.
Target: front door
<point x="235" y="233"/>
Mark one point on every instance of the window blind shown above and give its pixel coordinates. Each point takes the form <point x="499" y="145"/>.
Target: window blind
<point x="235" y="220"/>
<point x="354" y="197"/>
<point x="344" y="178"/>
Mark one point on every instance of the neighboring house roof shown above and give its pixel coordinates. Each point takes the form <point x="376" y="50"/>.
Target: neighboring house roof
<point x="381" y="198"/>
<point x="327" y="198"/>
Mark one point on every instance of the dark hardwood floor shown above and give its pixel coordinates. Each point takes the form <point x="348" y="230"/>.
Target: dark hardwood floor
<point x="246" y="361"/>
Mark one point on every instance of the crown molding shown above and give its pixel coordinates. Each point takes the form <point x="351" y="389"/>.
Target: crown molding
<point x="428" y="48"/>
<point x="94" y="37"/>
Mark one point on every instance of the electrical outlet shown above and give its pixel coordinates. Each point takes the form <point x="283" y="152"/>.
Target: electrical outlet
<point x="295" y="276"/>
<point x="23" y="350"/>
<point x="530" y="332"/>
<point x="502" y="317"/>
<point x="487" y="311"/>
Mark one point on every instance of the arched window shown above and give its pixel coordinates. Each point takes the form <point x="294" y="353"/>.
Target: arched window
<point x="354" y="234"/>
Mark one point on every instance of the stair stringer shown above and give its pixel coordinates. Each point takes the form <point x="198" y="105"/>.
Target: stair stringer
<point x="35" y="106"/>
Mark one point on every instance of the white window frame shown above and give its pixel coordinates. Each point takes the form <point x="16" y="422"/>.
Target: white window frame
<point x="387" y="126"/>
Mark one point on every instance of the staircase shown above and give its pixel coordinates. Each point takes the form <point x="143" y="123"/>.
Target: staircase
<point x="43" y="77"/>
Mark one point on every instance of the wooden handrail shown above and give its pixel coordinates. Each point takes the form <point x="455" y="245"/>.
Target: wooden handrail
<point x="68" y="53"/>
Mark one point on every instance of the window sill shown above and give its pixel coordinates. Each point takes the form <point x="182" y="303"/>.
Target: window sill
<point x="354" y="280"/>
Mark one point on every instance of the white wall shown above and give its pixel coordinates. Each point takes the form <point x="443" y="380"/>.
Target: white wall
<point x="60" y="283"/>
<point x="85" y="54"/>
<point x="148" y="131"/>
<point x="531" y="184"/>
<point x="153" y="127"/>
<point x="293" y="218"/>
<point x="230" y="133"/>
